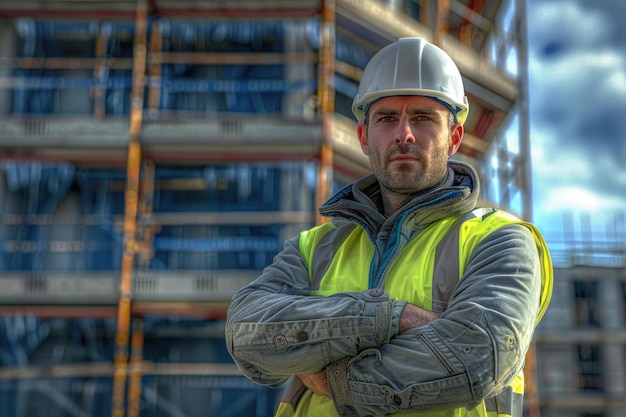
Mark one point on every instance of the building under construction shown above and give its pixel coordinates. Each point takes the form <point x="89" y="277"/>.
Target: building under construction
<point x="581" y="342"/>
<point x="156" y="153"/>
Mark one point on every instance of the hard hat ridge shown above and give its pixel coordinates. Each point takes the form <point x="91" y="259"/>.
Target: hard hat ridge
<point x="412" y="66"/>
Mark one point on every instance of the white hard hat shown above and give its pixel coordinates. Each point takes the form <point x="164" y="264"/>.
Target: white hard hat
<point x="412" y="67"/>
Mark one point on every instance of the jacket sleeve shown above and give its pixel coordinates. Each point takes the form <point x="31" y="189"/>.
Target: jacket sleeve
<point x="470" y="353"/>
<point x="276" y="329"/>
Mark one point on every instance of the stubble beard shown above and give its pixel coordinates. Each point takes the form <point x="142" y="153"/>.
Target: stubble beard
<point x="405" y="180"/>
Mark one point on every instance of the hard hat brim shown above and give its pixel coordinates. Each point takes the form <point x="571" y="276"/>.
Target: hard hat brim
<point x="459" y="110"/>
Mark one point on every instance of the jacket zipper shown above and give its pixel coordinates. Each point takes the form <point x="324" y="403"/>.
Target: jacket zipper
<point x="375" y="282"/>
<point x="436" y="353"/>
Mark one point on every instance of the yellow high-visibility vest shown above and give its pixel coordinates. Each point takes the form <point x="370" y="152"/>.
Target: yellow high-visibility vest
<point x="338" y="255"/>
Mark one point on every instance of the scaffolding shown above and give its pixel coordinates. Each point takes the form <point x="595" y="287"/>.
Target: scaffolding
<point x="156" y="153"/>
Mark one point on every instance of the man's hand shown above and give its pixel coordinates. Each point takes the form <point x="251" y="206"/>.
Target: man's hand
<point x="413" y="316"/>
<point x="316" y="382"/>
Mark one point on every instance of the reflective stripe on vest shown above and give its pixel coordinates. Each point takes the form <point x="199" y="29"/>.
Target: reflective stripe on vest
<point x="510" y="402"/>
<point x="447" y="270"/>
<point x="294" y="390"/>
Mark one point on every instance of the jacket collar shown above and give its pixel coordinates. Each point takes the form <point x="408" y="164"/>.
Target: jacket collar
<point x="361" y="201"/>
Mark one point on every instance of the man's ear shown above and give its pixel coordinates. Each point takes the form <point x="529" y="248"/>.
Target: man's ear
<point x="456" y="136"/>
<point x="361" y="131"/>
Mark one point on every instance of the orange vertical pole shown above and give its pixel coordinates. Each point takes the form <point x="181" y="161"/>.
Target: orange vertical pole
<point x="144" y="238"/>
<point x="530" y="386"/>
<point x="136" y="360"/>
<point x="154" y="67"/>
<point x="130" y="213"/>
<point x="139" y="70"/>
<point x="128" y="257"/>
<point x="326" y="97"/>
<point x="145" y="208"/>
<point x="439" y="24"/>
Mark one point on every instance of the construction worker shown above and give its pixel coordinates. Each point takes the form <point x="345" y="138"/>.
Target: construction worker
<point x="411" y="300"/>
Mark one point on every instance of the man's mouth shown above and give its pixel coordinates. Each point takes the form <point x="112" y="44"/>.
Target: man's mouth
<point x="403" y="158"/>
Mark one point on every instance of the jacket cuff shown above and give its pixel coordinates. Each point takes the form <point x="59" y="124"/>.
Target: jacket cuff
<point x="386" y="314"/>
<point x="337" y="375"/>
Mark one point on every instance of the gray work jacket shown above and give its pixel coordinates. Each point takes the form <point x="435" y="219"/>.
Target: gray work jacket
<point x="276" y="329"/>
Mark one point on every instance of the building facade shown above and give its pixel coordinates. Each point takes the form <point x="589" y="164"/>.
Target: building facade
<point x="581" y="342"/>
<point x="156" y="153"/>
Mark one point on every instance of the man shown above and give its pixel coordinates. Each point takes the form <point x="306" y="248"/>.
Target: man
<point x="411" y="300"/>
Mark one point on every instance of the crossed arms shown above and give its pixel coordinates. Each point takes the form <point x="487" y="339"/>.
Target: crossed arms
<point x="371" y="346"/>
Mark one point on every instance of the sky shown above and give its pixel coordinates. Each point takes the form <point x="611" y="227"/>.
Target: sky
<point x="577" y="100"/>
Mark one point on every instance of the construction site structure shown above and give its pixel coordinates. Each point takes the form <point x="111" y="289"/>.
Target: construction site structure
<point x="156" y="153"/>
<point x="581" y="342"/>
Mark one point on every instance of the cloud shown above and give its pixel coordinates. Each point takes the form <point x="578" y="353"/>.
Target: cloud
<point x="557" y="27"/>
<point x="580" y="199"/>
<point x="578" y="76"/>
<point x="566" y="177"/>
<point x="582" y="92"/>
<point x="577" y="100"/>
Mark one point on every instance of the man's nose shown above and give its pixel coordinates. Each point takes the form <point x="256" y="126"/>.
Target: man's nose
<point x="404" y="134"/>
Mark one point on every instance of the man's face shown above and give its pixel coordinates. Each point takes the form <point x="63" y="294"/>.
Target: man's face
<point x="408" y="140"/>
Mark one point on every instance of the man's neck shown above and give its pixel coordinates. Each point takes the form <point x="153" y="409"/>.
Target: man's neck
<point x="393" y="202"/>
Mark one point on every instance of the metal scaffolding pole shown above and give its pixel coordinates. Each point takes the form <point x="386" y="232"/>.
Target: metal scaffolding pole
<point x="525" y="173"/>
<point x="326" y="97"/>
<point x="130" y="213"/>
